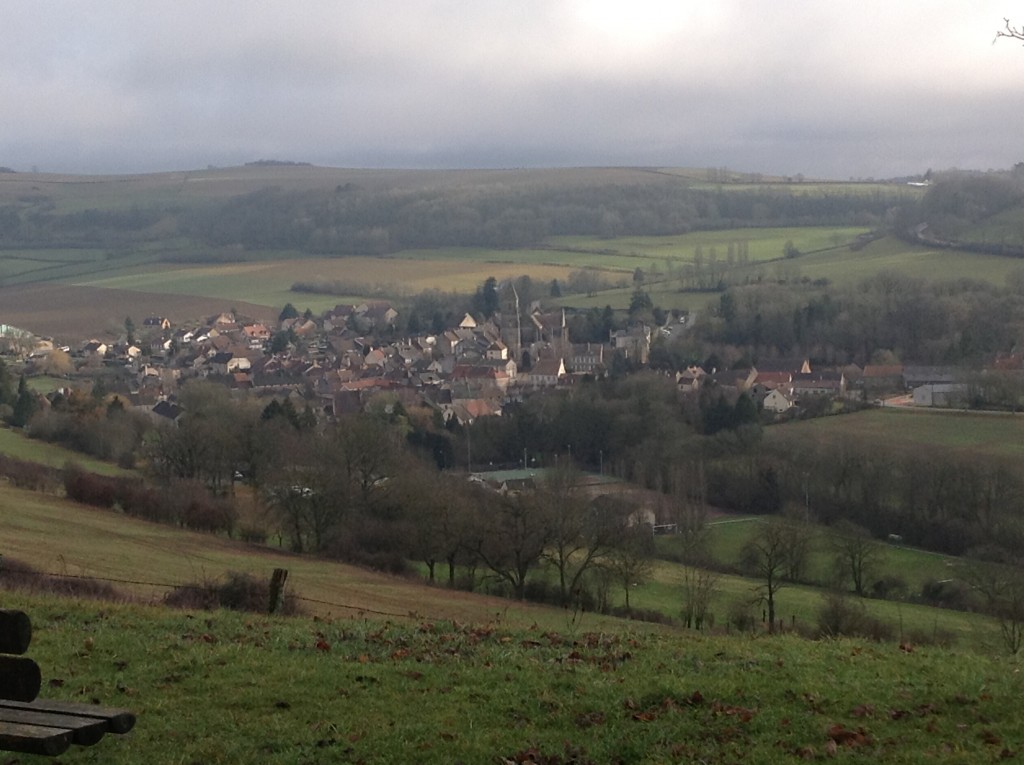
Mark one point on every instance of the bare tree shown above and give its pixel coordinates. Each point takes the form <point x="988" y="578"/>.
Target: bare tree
<point x="798" y="538"/>
<point x="515" y="532"/>
<point x="438" y="517"/>
<point x="688" y="509"/>
<point x="1010" y="31"/>
<point x="766" y="556"/>
<point x="1001" y="586"/>
<point x="856" y="554"/>
<point x="582" y="532"/>
<point x="699" y="587"/>
<point x="630" y="561"/>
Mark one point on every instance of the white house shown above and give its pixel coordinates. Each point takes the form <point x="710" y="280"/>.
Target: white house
<point x="776" y="401"/>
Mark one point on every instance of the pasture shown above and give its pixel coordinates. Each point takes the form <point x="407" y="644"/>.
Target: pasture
<point x="268" y="283"/>
<point x="267" y="280"/>
<point x="106" y="544"/>
<point x="504" y="680"/>
<point x="226" y="687"/>
<point x="73" y="313"/>
<point x="976" y="435"/>
<point x="891" y="254"/>
<point x="19" y="446"/>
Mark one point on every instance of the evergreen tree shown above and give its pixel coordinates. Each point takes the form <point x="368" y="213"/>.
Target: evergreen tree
<point x="744" y="412"/>
<point x="7" y="394"/>
<point x="24" y="406"/>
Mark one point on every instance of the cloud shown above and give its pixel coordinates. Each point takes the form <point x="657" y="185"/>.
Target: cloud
<point x="841" y="88"/>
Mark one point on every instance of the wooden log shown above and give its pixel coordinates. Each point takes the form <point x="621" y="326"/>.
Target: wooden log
<point x="20" y="678"/>
<point x="85" y="731"/>
<point x="118" y="720"/>
<point x="15" y="631"/>
<point x="34" y="739"/>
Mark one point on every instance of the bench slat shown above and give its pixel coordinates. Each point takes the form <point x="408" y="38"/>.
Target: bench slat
<point x="15" y="631"/>
<point x="20" y="678"/>
<point x="85" y="731"/>
<point x="34" y="739"/>
<point x="118" y="720"/>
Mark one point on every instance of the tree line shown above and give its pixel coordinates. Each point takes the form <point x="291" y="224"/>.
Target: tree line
<point x="881" y="319"/>
<point x="354" y="220"/>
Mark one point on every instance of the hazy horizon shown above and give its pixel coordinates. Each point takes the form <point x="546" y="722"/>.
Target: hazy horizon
<point x="833" y="90"/>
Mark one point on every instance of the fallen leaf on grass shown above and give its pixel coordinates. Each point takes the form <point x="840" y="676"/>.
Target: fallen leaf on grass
<point x="990" y="737"/>
<point x="589" y="719"/>
<point x="741" y="713"/>
<point x="843" y="736"/>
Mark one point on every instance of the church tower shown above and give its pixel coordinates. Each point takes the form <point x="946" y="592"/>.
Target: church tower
<point x="511" y="327"/>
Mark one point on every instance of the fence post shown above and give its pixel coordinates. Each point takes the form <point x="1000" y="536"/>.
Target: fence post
<point x="277" y="588"/>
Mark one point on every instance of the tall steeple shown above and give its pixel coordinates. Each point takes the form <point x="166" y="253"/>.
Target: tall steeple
<point x="511" y="326"/>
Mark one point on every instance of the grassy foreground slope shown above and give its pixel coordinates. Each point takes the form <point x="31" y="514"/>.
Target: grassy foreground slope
<point x="231" y="688"/>
<point x="145" y="560"/>
<point x="452" y="677"/>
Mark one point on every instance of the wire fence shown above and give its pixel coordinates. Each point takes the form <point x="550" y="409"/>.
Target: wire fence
<point x="200" y="587"/>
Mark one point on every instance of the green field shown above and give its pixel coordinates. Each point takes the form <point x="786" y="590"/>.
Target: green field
<point x="384" y="670"/>
<point x="106" y="544"/>
<point x="16" y="445"/>
<point x="267" y="281"/>
<point x="231" y="688"/>
<point x="890" y="254"/>
<point x="973" y="434"/>
<point x="265" y="277"/>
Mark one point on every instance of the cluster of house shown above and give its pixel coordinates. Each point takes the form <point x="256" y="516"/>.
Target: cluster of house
<point x="338" y="362"/>
<point x="779" y="385"/>
<point x="341" y="360"/>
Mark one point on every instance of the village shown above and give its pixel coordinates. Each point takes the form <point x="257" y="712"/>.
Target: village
<point x="334" y="364"/>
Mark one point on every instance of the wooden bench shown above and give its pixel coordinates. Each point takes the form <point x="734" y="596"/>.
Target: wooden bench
<point x="37" y="726"/>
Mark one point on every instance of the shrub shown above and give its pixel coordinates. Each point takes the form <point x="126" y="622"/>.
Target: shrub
<point x="29" y="475"/>
<point x="16" y="575"/>
<point x="938" y="636"/>
<point x="740" y="618"/>
<point x="641" y="615"/>
<point x="890" y="588"/>
<point x="141" y="501"/>
<point x="239" y="592"/>
<point x="839" y="615"/>
<point x="253" y="535"/>
<point x="89" y="488"/>
<point x="204" y="513"/>
<point x="948" y="593"/>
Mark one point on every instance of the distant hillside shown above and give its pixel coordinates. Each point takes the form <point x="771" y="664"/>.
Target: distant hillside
<point x="982" y="212"/>
<point x="277" y="205"/>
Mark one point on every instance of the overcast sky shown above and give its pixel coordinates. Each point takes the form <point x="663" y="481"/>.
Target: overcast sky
<point x="827" y="88"/>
